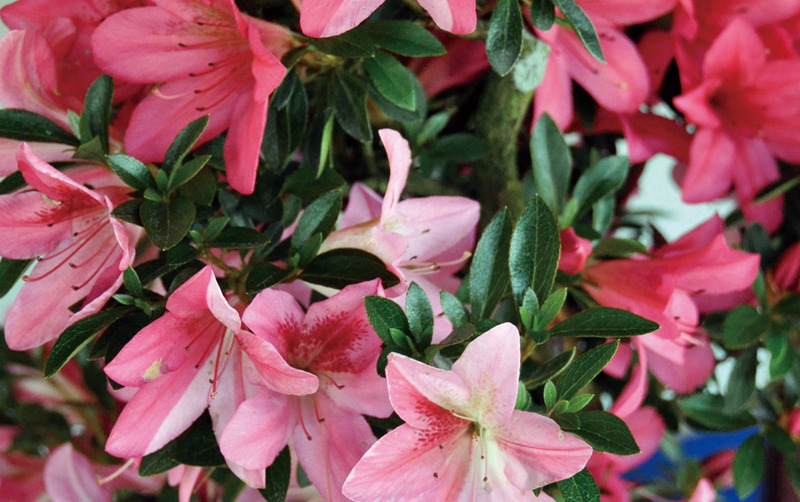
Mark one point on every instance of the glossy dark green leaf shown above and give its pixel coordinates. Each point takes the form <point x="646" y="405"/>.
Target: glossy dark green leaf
<point x="552" y="162"/>
<point x="287" y="119"/>
<point x="341" y="267"/>
<point x="238" y="238"/>
<point x="550" y="394"/>
<point x="534" y="252"/>
<point x="504" y="41"/>
<point x="453" y="309"/>
<point x="583" y="27"/>
<point x="488" y="274"/>
<point x="196" y="446"/>
<point x="131" y="171"/>
<point x="551" y="369"/>
<point x="543" y="14"/>
<point x="184" y="142"/>
<point x="201" y="189"/>
<point x="167" y="223"/>
<point x="10" y="272"/>
<point x="605" y="432"/>
<point x="96" y="115"/>
<point x="457" y="148"/>
<point x="420" y="315"/>
<point x="77" y="336"/>
<point x="404" y="38"/>
<point x="183" y="173"/>
<point x="277" y="477"/>
<point x="743" y="326"/>
<point x="391" y="79"/>
<point x="349" y="97"/>
<point x="385" y="315"/>
<point x="603" y="322"/>
<point x="618" y="248"/>
<point x="551" y="308"/>
<point x="601" y="179"/>
<point x="351" y="44"/>
<point x="742" y="381"/>
<point x="132" y="283"/>
<point x="709" y="411"/>
<point x="749" y="465"/>
<point x="583" y="371"/>
<point x="782" y="355"/>
<point x="580" y="488"/>
<point x="264" y="276"/>
<point x="318" y="218"/>
<point x="22" y="125"/>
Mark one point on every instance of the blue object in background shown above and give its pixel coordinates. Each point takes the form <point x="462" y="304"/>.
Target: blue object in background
<point x="699" y="446"/>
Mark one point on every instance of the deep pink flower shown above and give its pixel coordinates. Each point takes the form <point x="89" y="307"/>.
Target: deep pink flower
<point x="333" y="344"/>
<point x="213" y="61"/>
<point x="462" y="439"/>
<point x="746" y="110"/>
<point x="81" y="251"/>
<point x="574" y="251"/>
<point x="683" y="278"/>
<point x="787" y="270"/>
<point x="464" y="62"/>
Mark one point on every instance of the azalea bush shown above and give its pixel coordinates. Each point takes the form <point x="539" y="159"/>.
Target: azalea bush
<point x="332" y="250"/>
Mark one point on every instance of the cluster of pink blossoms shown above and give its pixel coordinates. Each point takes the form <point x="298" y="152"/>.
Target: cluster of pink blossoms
<point x="448" y="400"/>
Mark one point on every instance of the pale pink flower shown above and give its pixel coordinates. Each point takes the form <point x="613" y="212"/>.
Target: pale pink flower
<point x="463" y="439"/>
<point x="333" y="344"/>
<point x="213" y="61"/>
<point x="81" y="251"/>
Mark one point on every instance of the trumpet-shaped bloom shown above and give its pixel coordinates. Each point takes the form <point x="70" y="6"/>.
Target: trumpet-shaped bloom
<point x="80" y="250"/>
<point x="184" y="362"/>
<point x="692" y="274"/>
<point x="333" y="344"/>
<point x="463" y="440"/>
<point x="425" y="240"/>
<point x="328" y="18"/>
<point x="213" y="61"/>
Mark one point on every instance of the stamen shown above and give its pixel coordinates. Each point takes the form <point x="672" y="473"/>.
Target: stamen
<point x="96" y="271"/>
<point x="302" y="424"/>
<point x="114" y="475"/>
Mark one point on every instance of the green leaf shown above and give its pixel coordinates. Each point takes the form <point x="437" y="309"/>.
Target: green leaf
<point x="351" y="44"/>
<point x="128" y="212"/>
<point x="550" y="394"/>
<point x="391" y="79"/>
<point x="504" y="41"/>
<point x="131" y="171"/>
<point x="552" y="162"/>
<point x="132" y="283"/>
<point x="543" y="14"/>
<point x="185" y="172"/>
<point x="709" y="410"/>
<point x="96" y="115"/>
<point x="318" y="218"/>
<point x="166" y="224"/>
<point x="551" y="369"/>
<point x="618" y="248"/>
<point x="10" y="272"/>
<point x="749" y="465"/>
<point x="551" y="308"/>
<point x="404" y="38"/>
<point x="341" y="267"/>
<point x="385" y="315"/>
<point x="583" y="27"/>
<point x="264" y="276"/>
<point x="77" y="336"/>
<point x="287" y="118"/>
<point x="742" y="381"/>
<point x="22" y="125"/>
<point x="782" y="355"/>
<point x="488" y="274"/>
<point x="534" y="252"/>
<point x="603" y="178"/>
<point x="743" y="326"/>
<point x="583" y="371"/>
<point x="349" y="97"/>
<point x="196" y="446"/>
<point x="420" y="315"/>
<point x="457" y="148"/>
<point x="605" y="432"/>
<point x="215" y="227"/>
<point x="579" y="402"/>
<point x="455" y="312"/>
<point x="603" y="322"/>
<point x="580" y="488"/>
<point x="201" y="189"/>
<point x="277" y="477"/>
<point x="529" y="310"/>
<point x="238" y="238"/>
<point x="184" y="142"/>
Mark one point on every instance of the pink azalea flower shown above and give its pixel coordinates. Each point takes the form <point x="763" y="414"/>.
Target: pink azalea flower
<point x="464" y="62"/>
<point x="328" y="18"/>
<point x="462" y="439"/>
<point x="787" y="270"/>
<point x="81" y="251"/>
<point x="213" y="61"/>
<point x="334" y="344"/>
<point x="745" y="109"/>
<point x="21" y="477"/>
<point x="425" y="240"/>
<point x="186" y="361"/>
<point x="684" y="278"/>
<point x="574" y="251"/>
